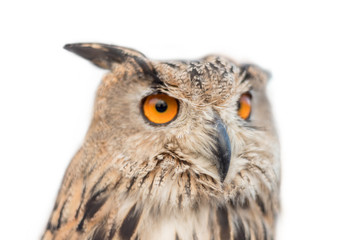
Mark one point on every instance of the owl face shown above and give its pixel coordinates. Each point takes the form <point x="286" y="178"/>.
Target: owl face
<point x="175" y="150"/>
<point x="208" y="120"/>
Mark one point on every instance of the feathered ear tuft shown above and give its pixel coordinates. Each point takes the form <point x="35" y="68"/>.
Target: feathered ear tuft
<point x="254" y="72"/>
<point x="104" y="55"/>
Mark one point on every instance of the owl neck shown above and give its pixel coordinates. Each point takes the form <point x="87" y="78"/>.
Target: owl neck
<point x="183" y="202"/>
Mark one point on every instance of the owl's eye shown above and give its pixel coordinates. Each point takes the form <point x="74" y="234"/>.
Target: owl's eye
<point x="160" y="108"/>
<point x="245" y="106"/>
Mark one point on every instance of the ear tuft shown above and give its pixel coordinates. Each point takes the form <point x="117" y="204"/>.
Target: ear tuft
<point x="104" y="55"/>
<point x="252" y="71"/>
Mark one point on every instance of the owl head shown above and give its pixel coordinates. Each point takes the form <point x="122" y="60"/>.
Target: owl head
<point x="182" y="132"/>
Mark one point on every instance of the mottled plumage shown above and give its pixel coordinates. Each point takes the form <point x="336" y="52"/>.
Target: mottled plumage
<point x="135" y="180"/>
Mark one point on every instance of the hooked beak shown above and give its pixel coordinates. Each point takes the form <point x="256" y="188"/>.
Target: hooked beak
<point x="222" y="149"/>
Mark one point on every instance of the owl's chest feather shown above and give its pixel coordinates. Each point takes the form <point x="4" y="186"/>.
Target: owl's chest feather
<point x="206" y="222"/>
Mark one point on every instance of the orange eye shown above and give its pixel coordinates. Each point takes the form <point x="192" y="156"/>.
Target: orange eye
<point x="245" y="106"/>
<point x="160" y="108"/>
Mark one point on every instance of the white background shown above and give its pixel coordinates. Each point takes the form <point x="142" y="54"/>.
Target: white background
<point x="312" y="49"/>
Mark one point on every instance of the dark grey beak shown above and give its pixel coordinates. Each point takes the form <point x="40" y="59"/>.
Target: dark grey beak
<point x="222" y="149"/>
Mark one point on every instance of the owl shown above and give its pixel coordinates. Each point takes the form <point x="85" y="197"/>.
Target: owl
<point x="183" y="149"/>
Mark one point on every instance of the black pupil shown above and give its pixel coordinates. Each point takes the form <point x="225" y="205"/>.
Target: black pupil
<point x="161" y="106"/>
